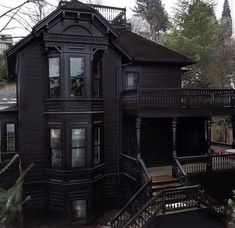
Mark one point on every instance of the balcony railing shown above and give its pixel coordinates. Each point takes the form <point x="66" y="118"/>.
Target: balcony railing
<point x="176" y="97"/>
<point x="114" y="15"/>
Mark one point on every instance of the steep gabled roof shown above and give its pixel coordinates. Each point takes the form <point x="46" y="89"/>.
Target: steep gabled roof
<point x="144" y="50"/>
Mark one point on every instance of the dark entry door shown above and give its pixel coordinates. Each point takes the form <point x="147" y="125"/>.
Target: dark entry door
<point x="156" y="142"/>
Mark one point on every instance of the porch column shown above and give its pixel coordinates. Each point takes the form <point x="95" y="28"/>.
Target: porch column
<point x="138" y="132"/>
<point x="174" y="125"/>
<point x="233" y="126"/>
<point x="209" y="150"/>
<point x="208" y="133"/>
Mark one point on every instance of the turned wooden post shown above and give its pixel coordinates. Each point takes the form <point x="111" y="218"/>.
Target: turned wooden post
<point x="174" y="153"/>
<point x="138" y="135"/>
<point x="233" y="127"/>
<point x="209" y="150"/>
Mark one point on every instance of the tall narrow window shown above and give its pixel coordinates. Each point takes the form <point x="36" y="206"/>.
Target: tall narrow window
<point x="77" y="76"/>
<point x="131" y="80"/>
<point x="55" y="144"/>
<point x="79" y="209"/>
<point x="97" y="145"/>
<point x="96" y="80"/>
<point x="78" y="147"/>
<point x="10" y="135"/>
<point x="54" y="76"/>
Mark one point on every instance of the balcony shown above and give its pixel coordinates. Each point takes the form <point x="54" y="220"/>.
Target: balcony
<point x="150" y="99"/>
<point x="115" y="15"/>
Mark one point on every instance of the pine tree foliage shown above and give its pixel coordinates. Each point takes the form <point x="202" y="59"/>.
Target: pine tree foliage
<point x="154" y="13"/>
<point x="11" y="201"/>
<point x="226" y="25"/>
<point x="197" y="34"/>
<point x="226" y="10"/>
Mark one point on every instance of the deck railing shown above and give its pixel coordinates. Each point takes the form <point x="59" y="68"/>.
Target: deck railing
<point x="114" y="15"/>
<point x="205" y="163"/>
<point x="176" y="97"/>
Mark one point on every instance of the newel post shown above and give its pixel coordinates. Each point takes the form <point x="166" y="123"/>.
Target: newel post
<point x="174" y="153"/>
<point x="209" y="150"/>
<point x="138" y="146"/>
<point x="233" y="127"/>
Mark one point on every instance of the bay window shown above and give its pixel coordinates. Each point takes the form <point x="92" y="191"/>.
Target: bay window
<point x="77" y="76"/>
<point x="54" y="76"/>
<point x="55" y="146"/>
<point x="97" y="144"/>
<point x="78" y="148"/>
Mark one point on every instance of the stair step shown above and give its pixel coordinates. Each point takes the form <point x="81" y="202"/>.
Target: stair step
<point x="165" y="186"/>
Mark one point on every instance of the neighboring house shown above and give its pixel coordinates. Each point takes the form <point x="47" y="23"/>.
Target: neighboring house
<point x="5" y="43"/>
<point x="92" y="99"/>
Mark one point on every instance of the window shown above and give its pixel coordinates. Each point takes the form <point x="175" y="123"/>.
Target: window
<point x="79" y="209"/>
<point x="55" y="145"/>
<point x="97" y="145"/>
<point x="10" y="135"/>
<point x="96" y="80"/>
<point x="54" y="76"/>
<point x="78" y="147"/>
<point x="77" y="76"/>
<point x="131" y="80"/>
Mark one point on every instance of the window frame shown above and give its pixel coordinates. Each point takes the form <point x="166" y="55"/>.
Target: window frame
<point x="73" y="211"/>
<point x="97" y="125"/>
<point x="85" y="80"/>
<point x="60" y="147"/>
<point x="6" y="137"/>
<point x="83" y="147"/>
<point x="135" y="80"/>
<point x="53" y="56"/>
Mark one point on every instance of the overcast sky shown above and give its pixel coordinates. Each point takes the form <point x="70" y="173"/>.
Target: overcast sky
<point x="129" y="4"/>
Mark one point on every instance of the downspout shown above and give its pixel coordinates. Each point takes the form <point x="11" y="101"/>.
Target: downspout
<point x="117" y="116"/>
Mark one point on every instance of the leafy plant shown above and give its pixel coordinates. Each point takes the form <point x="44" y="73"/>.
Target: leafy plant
<point x="11" y="201"/>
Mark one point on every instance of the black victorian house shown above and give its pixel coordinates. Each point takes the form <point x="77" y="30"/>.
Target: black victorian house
<point x="97" y="105"/>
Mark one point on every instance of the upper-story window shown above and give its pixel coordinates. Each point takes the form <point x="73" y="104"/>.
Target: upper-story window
<point x="131" y="80"/>
<point x="54" y="76"/>
<point x="77" y="76"/>
<point x="96" y="79"/>
<point x="10" y="136"/>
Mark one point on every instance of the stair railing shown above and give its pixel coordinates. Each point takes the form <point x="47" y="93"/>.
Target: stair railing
<point x="179" y="172"/>
<point x="138" y="200"/>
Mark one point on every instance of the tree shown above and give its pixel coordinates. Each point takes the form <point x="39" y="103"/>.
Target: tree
<point x="226" y="29"/>
<point x="3" y="73"/>
<point x="154" y="13"/>
<point x="195" y="34"/>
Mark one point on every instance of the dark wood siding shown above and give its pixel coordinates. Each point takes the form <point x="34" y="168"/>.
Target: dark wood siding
<point x="110" y="63"/>
<point x="157" y="76"/>
<point x="31" y="86"/>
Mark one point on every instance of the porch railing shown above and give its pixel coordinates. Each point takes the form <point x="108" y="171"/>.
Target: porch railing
<point x="177" y="97"/>
<point x="204" y="163"/>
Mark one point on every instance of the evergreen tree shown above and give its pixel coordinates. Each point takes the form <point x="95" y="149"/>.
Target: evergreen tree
<point x="154" y="13"/>
<point x="226" y="23"/>
<point x="195" y="35"/>
<point x="226" y="10"/>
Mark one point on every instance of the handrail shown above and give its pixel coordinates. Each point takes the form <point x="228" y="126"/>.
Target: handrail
<point x="180" y="173"/>
<point x="159" y="199"/>
<point x="141" y="196"/>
